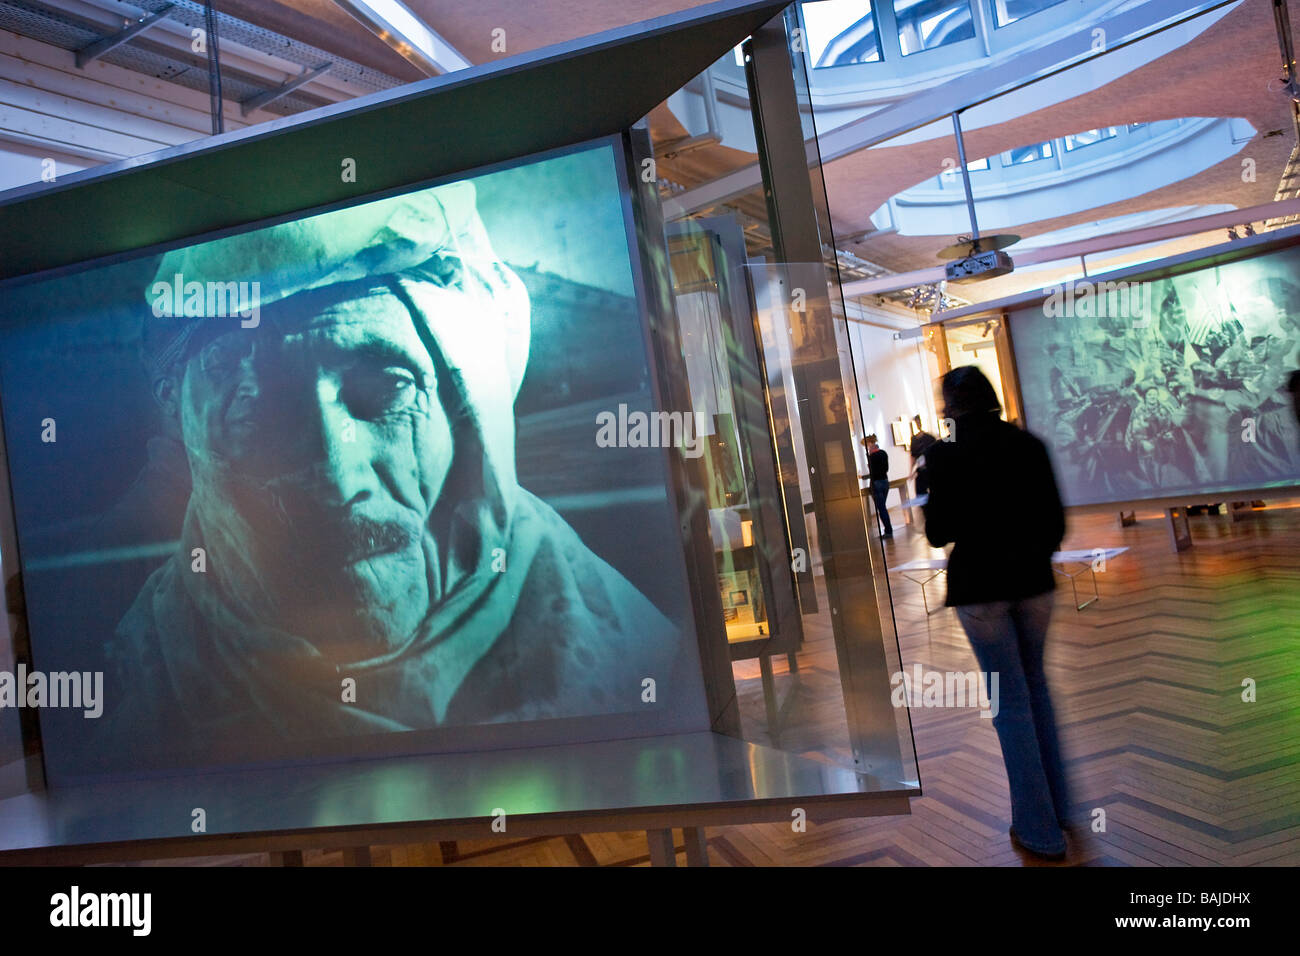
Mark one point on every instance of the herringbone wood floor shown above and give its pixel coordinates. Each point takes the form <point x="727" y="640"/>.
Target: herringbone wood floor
<point x="1148" y="684"/>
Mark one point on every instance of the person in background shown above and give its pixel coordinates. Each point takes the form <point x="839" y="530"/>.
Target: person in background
<point x="994" y="497"/>
<point x="921" y="442"/>
<point x="878" y="468"/>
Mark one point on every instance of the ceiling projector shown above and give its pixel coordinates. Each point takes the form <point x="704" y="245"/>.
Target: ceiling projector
<point x="981" y="265"/>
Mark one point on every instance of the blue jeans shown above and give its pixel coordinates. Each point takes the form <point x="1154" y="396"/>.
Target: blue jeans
<point x="1008" y="639"/>
<point x="880" y="491"/>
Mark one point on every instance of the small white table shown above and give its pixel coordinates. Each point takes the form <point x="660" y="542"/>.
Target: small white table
<point x="936" y="566"/>
<point x="1087" y="557"/>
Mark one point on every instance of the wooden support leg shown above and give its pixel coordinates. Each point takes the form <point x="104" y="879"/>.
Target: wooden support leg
<point x="356" y="856"/>
<point x="448" y="850"/>
<point x="769" y="696"/>
<point x="1180" y="532"/>
<point x="286" y="858"/>
<point x="662" y="852"/>
<point x="697" y="846"/>
<point x="1128" y="520"/>
<point x="793" y="661"/>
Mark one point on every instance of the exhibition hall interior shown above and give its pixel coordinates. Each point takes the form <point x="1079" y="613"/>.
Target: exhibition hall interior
<point x="610" y="433"/>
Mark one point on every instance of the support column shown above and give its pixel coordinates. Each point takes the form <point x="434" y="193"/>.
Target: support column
<point x="697" y="846"/>
<point x="847" y="558"/>
<point x="662" y="852"/>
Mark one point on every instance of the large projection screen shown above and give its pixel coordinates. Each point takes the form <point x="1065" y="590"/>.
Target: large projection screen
<point x="332" y="486"/>
<point x="1171" y="387"/>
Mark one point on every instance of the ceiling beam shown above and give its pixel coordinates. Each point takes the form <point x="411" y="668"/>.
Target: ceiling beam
<point x="1083" y="247"/>
<point x="268" y="68"/>
<point x="408" y="35"/>
<point x="270" y="96"/>
<point x="97" y="49"/>
<point x="1219" y="254"/>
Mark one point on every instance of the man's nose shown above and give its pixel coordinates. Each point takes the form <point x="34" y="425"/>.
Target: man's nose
<point x="343" y="469"/>
<point x="248" y="387"/>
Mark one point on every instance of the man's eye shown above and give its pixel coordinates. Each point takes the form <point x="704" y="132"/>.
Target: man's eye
<point x="224" y="354"/>
<point x="384" y="391"/>
<point x="215" y="356"/>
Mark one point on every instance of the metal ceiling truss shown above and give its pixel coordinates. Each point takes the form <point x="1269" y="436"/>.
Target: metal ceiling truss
<point x="94" y="51"/>
<point x="80" y="26"/>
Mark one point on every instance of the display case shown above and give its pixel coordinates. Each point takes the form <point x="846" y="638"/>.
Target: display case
<point x="752" y="539"/>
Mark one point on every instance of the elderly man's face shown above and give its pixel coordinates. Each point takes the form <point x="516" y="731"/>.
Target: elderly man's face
<point x="327" y="447"/>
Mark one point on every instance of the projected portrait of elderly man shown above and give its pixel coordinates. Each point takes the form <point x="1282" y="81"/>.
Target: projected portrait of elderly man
<point x="355" y="511"/>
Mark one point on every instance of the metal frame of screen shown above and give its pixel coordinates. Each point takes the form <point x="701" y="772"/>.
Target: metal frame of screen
<point x="695" y="637"/>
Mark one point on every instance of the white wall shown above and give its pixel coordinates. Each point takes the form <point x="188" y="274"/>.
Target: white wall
<point x="897" y="373"/>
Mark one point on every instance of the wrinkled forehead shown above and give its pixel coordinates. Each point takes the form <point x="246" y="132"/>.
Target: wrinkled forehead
<point x="361" y="318"/>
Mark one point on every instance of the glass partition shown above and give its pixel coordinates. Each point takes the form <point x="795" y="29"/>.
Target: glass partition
<point x="12" y="772"/>
<point x="747" y="520"/>
<point x="805" y="604"/>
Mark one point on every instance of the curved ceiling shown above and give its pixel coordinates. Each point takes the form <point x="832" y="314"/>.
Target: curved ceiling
<point x="1226" y="71"/>
<point x="1068" y="175"/>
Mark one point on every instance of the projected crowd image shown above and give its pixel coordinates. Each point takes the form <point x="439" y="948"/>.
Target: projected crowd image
<point x="338" y="477"/>
<point x="1185" y="393"/>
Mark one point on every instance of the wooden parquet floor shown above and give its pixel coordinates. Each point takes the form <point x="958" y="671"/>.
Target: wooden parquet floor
<point x="1167" y="761"/>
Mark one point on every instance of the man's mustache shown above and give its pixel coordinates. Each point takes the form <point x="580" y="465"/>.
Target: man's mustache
<point x="355" y="537"/>
<point x="295" y="515"/>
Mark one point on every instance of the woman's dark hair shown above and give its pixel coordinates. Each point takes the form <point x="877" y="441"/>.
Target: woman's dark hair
<point x="967" y="392"/>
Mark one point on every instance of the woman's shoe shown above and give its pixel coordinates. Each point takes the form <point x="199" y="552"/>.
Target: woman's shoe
<point x="1015" y="841"/>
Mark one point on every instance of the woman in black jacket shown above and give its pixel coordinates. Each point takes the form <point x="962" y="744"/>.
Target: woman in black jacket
<point x="994" y="497"/>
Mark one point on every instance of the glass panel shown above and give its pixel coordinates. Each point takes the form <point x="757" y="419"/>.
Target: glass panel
<point x="1009" y="11"/>
<point x="12" y="772"/>
<point x="798" y="610"/>
<point x="1153" y="390"/>
<point x="1088" y="138"/>
<point x="745" y="523"/>
<point x="1027" y="154"/>
<point x="839" y="32"/>
<point x="930" y="24"/>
